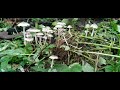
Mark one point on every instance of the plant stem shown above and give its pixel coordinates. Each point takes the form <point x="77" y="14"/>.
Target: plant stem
<point x="98" y="45"/>
<point x="80" y="51"/>
<point x="96" y="63"/>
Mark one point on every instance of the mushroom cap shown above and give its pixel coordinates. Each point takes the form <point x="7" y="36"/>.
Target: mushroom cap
<point x="33" y="30"/>
<point x="94" y="26"/>
<point x="53" y="57"/>
<point x="49" y="35"/>
<point x="28" y="35"/>
<point x="55" y="28"/>
<point x="44" y="29"/>
<point x="69" y="26"/>
<point x="45" y="37"/>
<point x="87" y="26"/>
<point x="58" y="26"/>
<point x="61" y="23"/>
<point x="29" y="39"/>
<point x="39" y="34"/>
<point x="47" y="27"/>
<point x="23" y="24"/>
<point x="86" y="31"/>
<point x="49" y="31"/>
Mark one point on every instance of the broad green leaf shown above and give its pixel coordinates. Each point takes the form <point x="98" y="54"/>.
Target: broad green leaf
<point x="54" y="23"/>
<point x="4" y="62"/>
<point x="61" y="68"/>
<point x="75" y="67"/>
<point x="65" y="21"/>
<point x="87" y="68"/>
<point x="38" y="68"/>
<point x="3" y="48"/>
<point x="109" y="68"/>
<point x="102" y="61"/>
<point x="118" y="28"/>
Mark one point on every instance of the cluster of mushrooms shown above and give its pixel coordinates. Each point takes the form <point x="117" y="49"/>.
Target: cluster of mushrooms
<point x="88" y="26"/>
<point x="45" y="33"/>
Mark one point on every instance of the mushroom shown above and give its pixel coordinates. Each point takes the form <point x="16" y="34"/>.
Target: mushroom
<point x="28" y="35"/>
<point x="34" y="31"/>
<point x="28" y="40"/>
<point x="50" y="36"/>
<point x="69" y="27"/>
<point x="53" y="57"/>
<point x="86" y="32"/>
<point x="61" y="23"/>
<point x="87" y="26"/>
<point x="40" y="36"/>
<point x="23" y="24"/>
<point x="94" y="26"/>
<point x="45" y="38"/>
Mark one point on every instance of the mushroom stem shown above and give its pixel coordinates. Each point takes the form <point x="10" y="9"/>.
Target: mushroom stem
<point x="65" y="40"/>
<point x="70" y="32"/>
<point x="92" y="32"/>
<point x="35" y="39"/>
<point x="52" y="63"/>
<point x="24" y="35"/>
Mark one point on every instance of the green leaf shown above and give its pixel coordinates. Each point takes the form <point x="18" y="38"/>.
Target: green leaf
<point x="4" y="62"/>
<point x="65" y="21"/>
<point x="109" y="68"/>
<point x="102" y="61"/>
<point x="38" y="68"/>
<point x="118" y="28"/>
<point x="61" y="68"/>
<point x="75" y="67"/>
<point x="87" y="68"/>
<point x="54" y="23"/>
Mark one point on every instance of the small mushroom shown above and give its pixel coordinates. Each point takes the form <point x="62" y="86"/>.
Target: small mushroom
<point x="23" y="24"/>
<point x="40" y="36"/>
<point x="94" y="26"/>
<point x="28" y="40"/>
<point x="86" y="32"/>
<point x="53" y="57"/>
<point x="69" y="27"/>
<point x="45" y="39"/>
<point x="34" y="31"/>
<point x="87" y="26"/>
<point x="50" y="36"/>
<point x="61" y="23"/>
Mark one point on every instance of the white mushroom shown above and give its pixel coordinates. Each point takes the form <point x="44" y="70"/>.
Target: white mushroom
<point x="50" y="36"/>
<point x="53" y="57"/>
<point x="86" y="32"/>
<point x="28" y="40"/>
<point x="40" y="36"/>
<point x="69" y="27"/>
<point x="23" y="24"/>
<point x="34" y="31"/>
<point x="87" y="26"/>
<point x="28" y="35"/>
<point x="45" y="38"/>
<point x="94" y="26"/>
<point x="61" y="23"/>
<point x="58" y="26"/>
